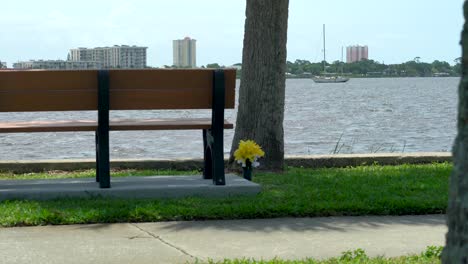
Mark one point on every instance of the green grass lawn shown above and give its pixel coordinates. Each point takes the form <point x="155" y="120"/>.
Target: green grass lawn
<point x="430" y="255"/>
<point x="299" y="192"/>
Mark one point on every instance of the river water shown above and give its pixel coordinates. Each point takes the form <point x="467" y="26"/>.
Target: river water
<point x="360" y="116"/>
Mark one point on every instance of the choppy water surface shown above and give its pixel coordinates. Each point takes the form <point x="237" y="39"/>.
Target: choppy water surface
<point x="361" y="116"/>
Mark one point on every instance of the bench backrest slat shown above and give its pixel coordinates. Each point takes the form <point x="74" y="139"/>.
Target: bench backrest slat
<point x="22" y="91"/>
<point x="166" y="89"/>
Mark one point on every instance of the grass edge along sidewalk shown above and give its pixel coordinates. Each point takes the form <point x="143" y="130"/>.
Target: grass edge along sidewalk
<point x="432" y="254"/>
<point x="298" y="192"/>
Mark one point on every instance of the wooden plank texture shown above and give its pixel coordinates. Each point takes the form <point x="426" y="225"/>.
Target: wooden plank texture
<point x="48" y="126"/>
<point x="24" y="101"/>
<point x="166" y="89"/>
<point x="44" y="90"/>
<point x="39" y="90"/>
<point x="115" y="125"/>
<point x="164" y="124"/>
<point x="46" y="80"/>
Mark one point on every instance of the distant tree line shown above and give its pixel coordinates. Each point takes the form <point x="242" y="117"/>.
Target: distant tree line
<point x="364" y="68"/>
<point x="413" y="68"/>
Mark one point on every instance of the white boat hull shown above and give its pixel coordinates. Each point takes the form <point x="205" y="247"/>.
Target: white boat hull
<point x="330" y="79"/>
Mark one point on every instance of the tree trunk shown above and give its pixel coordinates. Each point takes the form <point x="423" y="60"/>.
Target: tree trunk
<point x="456" y="249"/>
<point x="261" y="95"/>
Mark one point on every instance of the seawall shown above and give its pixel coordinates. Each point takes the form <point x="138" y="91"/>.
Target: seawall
<point x="307" y="161"/>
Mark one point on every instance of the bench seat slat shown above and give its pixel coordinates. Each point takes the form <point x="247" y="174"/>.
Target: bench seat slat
<point x="164" y="124"/>
<point x="48" y="126"/>
<point x="115" y="125"/>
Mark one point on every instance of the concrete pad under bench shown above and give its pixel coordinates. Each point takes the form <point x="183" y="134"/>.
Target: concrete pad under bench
<point x="126" y="187"/>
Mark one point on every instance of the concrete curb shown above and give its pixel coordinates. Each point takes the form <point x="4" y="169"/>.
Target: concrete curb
<point x="307" y="161"/>
<point x="345" y="160"/>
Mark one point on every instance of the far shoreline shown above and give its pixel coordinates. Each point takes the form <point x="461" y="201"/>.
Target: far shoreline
<point x="306" y="161"/>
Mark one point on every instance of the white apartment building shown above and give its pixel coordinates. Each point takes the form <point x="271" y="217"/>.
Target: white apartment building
<point x="124" y="57"/>
<point x="57" y="65"/>
<point x="184" y="52"/>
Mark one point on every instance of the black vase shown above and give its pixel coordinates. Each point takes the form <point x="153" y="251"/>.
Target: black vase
<point x="247" y="170"/>
<point x="247" y="173"/>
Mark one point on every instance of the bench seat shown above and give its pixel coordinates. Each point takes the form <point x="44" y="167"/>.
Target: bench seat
<point x="114" y="125"/>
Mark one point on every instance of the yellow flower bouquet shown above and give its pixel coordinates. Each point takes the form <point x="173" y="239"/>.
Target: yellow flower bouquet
<point x="248" y="154"/>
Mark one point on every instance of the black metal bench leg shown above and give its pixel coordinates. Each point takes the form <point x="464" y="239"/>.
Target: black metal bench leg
<point x="103" y="166"/>
<point x="97" y="155"/>
<point x="215" y="135"/>
<point x="218" y="158"/>
<point x="103" y="159"/>
<point x="207" y="160"/>
<point x="214" y="157"/>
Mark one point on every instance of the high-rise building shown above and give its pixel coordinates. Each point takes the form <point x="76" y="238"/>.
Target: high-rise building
<point x="184" y="52"/>
<point x="125" y="57"/>
<point x="57" y="65"/>
<point x="356" y="53"/>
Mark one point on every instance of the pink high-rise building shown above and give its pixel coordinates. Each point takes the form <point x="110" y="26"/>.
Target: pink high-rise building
<point x="356" y="53"/>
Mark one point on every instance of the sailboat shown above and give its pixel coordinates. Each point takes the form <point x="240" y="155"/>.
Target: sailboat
<point x="328" y="77"/>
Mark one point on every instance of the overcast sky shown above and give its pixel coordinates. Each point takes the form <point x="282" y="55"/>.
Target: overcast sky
<point x="395" y="30"/>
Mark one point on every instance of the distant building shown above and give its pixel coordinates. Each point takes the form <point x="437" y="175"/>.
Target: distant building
<point x="237" y="66"/>
<point x="57" y="65"/>
<point x="184" y="52"/>
<point x="3" y="65"/>
<point x="356" y="53"/>
<point x="124" y="57"/>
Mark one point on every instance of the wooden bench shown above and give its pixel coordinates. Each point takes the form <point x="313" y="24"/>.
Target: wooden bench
<point x="105" y="90"/>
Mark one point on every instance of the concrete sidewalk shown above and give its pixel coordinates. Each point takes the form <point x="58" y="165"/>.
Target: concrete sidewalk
<point x="181" y="242"/>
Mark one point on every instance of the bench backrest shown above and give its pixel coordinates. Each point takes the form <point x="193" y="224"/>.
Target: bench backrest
<point x="44" y="90"/>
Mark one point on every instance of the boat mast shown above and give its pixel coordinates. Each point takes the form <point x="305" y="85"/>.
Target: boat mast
<point x="341" y="53"/>
<point x="324" y="59"/>
<point x="341" y="63"/>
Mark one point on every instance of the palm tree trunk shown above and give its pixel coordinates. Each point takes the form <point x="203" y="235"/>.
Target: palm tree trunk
<point x="262" y="90"/>
<point x="456" y="250"/>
